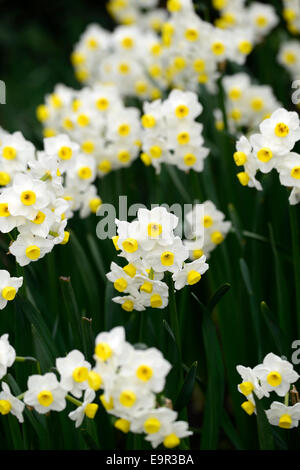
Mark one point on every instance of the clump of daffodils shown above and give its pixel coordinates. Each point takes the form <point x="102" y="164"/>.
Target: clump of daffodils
<point x="40" y="190"/>
<point x="291" y="14"/>
<point x="106" y="132"/>
<point x="258" y="17"/>
<point x="151" y="249"/>
<point x="130" y="383"/>
<point x="270" y="149"/>
<point x="246" y="104"/>
<point x="289" y="57"/>
<point x="273" y="375"/>
<point x="206" y="229"/>
<point x="142" y="12"/>
<point x="171" y="134"/>
<point x="159" y="49"/>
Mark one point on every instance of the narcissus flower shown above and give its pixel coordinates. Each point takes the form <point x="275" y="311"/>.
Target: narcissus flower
<point x="45" y="393"/>
<point x="87" y="408"/>
<point x="7" y="355"/>
<point x="10" y="404"/>
<point x="286" y="417"/>
<point x="74" y="371"/>
<point x="275" y="374"/>
<point x="9" y="287"/>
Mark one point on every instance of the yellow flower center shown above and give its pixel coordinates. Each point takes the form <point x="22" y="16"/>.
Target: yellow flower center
<point x="246" y="388"/>
<point x="248" y="407"/>
<point x="257" y="104"/>
<point x="141" y="87"/>
<point x="124" y="68"/>
<point x="65" y="153"/>
<point x="155" y="151"/>
<point x="83" y="120"/>
<point x="45" y="398"/>
<point x="217" y="237"/>
<point x="234" y="93"/>
<point x="154" y="229"/>
<point x="5" y="407"/>
<point x="281" y="129"/>
<point x="39" y="218"/>
<point x="148" y="120"/>
<point x="193" y="277"/>
<point x="124" y="156"/>
<point x="179" y="63"/>
<point x="8" y="293"/>
<point x="56" y="101"/>
<point x="130" y="245"/>
<point x="127" y="43"/>
<point x="182" y="111"/>
<point x="243" y="178"/>
<point x="33" y="252"/>
<point x="171" y="441"/>
<point x="102" y="104"/>
<point x="88" y="146"/>
<point x="9" y="153"/>
<point x="115" y="242"/>
<point x="130" y="270"/>
<point x="245" y="47"/>
<point x="152" y="425"/>
<point x="167" y="258"/>
<point x="91" y="410"/>
<point x="42" y="113"/>
<point x="124" y="130"/>
<point x="92" y="43"/>
<point x="128" y="305"/>
<point x="103" y="351"/>
<point x="191" y="34"/>
<point x="189" y="159"/>
<point x="236" y="114"/>
<point x="274" y="378"/>
<point x="156" y="301"/>
<point x="94" y="380"/>
<point x="80" y="374"/>
<point x="104" y="166"/>
<point x="108" y="405"/>
<point x="120" y="284"/>
<point x="144" y="373"/>
<point x="183" y="138"/>
<point x="285" y="421"/>
<point x="123" y="425"/>
<point x="66" y="238"/>
<point x="198" y="253"/>
<point x="295" y="172"/>
<point x="146" y="287"/>
<point x="218" y="48"/>
<point x="261" y="21"/>
<point x="28" y="198"/>
<point x="84" y="173"/>
<point x="207" y="221"/>
<point x="290" y="57"/>
<point x="264" y="154"/>
<point x="94" y="204"/>
<point x="127" y="398"/>
<point x="240" y="158"/>
<point x="174" y="5"/>
<point x="199" y="65"/>
<point x="4" y="178"/>
<point x="4" y="212"/>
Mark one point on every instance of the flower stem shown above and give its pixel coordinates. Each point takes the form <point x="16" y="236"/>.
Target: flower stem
<point x="73" y="400"/>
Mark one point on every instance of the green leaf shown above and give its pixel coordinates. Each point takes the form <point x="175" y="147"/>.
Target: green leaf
<point x="218" y="296"/>
<point x="265" y="434"/>
<point x="186" y="391"/>
<point x="231" y="432"/>
<point x="278" y="335"/>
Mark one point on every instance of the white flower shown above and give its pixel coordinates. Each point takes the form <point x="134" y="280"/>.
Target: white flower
<point x="111" y="346"/>
<point x="250" y="382"/>
<point x="8" y="287"/>
<point x="171" y="435"/>
<point x="7" y="355"/>
<point x="154" y="421"/>
<point x="169" y="257"/>
<point x="87" y="408"/>
<point x="62" y="148"/>
<point x="45" y="393"/>
<point x="147" y="368"/>
<point x="74" y="370"/>
<point x="156" y="226"/>
<point x="11" y="404"/>
<point x="275" y="375"/>
<point x="282" y="129"/>
<point x="130" y="302"/>
<point x="191" y="273"/>
<point x="289" y="170"/>
<point x="286" y="417"/>
<point x="29" y="248"/>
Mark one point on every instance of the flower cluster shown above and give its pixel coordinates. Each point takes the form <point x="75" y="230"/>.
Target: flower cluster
<point x="160" y="50"/>
<point x="151" y="249"/>
<point x="131" y="383"/>
<point x="258" y="17"/>
<point x="291" y="14"/>
<point x="171" y="134"/>
<point x="272" y="148"/>
<point x="206" y="229"/>
<point x="273" y="375"/>
<point x="246" y="105"/>
<point x="40" y="191"/>
<point x="142" y="12"/>
<point x="107" y="132"/>
<point x="289" y="57"/>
